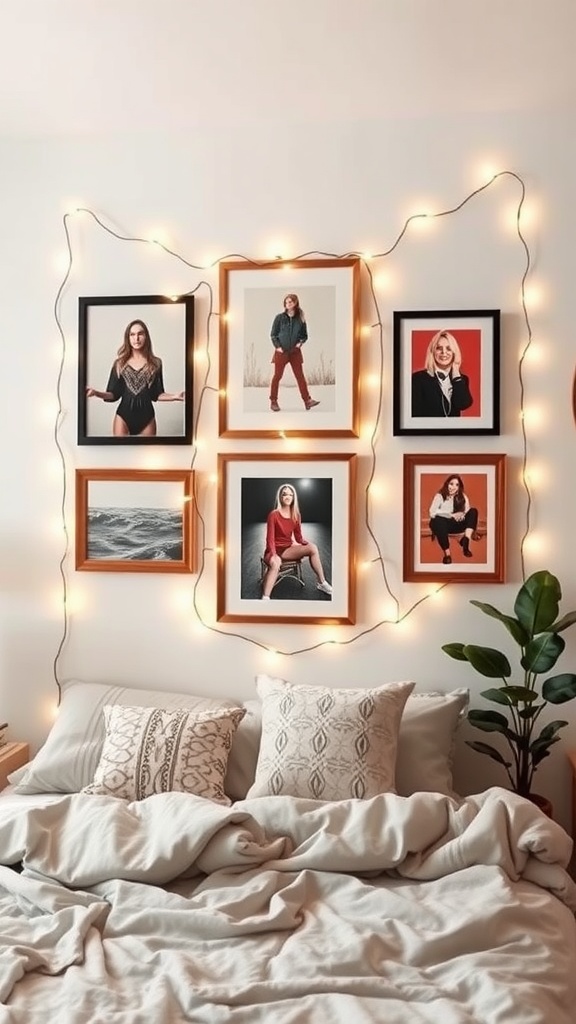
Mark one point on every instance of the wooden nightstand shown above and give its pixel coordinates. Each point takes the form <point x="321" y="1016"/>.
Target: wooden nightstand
<point x="12" y="756"/>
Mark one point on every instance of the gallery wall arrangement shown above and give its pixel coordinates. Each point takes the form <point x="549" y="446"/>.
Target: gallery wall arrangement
<point x="288" y="340"/>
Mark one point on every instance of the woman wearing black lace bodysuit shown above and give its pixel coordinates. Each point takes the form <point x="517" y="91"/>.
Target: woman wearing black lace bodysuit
<point x="136" y="380"/>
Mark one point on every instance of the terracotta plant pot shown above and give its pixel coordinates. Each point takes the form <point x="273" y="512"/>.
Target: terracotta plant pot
<point x="542" y="802"/>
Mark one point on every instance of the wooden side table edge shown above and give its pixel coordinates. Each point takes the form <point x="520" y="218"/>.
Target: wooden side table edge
<point x="12" y="756"/>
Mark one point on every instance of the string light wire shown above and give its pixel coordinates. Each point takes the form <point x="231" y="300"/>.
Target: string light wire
<point x="367" y="264"/>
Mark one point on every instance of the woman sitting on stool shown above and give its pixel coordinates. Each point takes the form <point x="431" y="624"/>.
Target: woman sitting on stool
<point x="285" y="543"/>
<point x="450" y="512"/>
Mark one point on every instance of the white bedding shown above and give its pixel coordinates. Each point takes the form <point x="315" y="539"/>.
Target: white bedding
<point x="400" y="910"/>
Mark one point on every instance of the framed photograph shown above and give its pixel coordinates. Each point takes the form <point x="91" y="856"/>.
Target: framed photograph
<point x="289" y="344"/>
<point x="135" y="369"/>
<point x="454" y="518"/>
<point x="286" y="538"/>
<point x="137" y="520"/>
<point x="447" y="372"/>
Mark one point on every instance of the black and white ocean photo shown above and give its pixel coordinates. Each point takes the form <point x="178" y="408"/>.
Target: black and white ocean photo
<point x="137" y="520"/>
<point x="145" y="534"/>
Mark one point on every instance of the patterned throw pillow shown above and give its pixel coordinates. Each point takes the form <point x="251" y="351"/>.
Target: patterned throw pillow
<point x="327" y="744"/>
<point x="151" y="750"/>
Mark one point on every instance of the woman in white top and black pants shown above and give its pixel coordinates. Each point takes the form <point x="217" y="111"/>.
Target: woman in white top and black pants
<point x="451" y="512"/>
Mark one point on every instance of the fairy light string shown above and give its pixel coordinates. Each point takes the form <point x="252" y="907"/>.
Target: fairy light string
<point x="367" y="263"/>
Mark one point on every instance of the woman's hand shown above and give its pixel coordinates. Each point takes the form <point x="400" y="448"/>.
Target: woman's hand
<point x="458" y="516"/>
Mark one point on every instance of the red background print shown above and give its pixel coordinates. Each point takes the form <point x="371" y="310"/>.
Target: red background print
<point x="476" y="489"/>
<point x="468" y="339"/>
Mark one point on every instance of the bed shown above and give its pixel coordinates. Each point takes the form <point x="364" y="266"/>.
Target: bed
<point x="313" y="864"/>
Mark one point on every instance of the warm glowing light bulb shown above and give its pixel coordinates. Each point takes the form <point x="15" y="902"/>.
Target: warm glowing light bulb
<point x="62" y="261"/>
<point x="534" y="296"/>
<point x="76" y="601"/>
<point x="534" y="416"/>
<point x="157" y="236"/>
<point x="366" y="330"/>
<point x="276" y="249"/>
<point x="384" y="281"/>
<point x="534" y="352"/>
<point x="201" y="358"/>
<point x="371" y="381"/>
<point x="376" y="490"/>
<point x="292" y="444"/>
<point x="536" y="544"/>
<point x="485" y="173"/>
<point x="48" y="410"/>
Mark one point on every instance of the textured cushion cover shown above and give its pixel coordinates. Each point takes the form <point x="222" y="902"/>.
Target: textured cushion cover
<point x="67" y="761"/>
<point x="327" y="744"/>
<point x="426" y="739"/>
<point x="150" y="750"/>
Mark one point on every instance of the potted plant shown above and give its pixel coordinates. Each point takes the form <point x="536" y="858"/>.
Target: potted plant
<point x="536" y="628"/>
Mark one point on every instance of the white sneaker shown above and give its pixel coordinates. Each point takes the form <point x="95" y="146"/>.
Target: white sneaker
<point x="264" y="597"/>
<point x="324" y="587"/>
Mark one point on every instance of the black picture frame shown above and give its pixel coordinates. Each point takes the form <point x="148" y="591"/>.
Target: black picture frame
<point x="102" y="321"/>
<point x="471" y="404"/>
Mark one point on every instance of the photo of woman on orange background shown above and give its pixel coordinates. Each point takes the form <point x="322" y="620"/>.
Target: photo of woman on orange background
<point x="454" y="517"/>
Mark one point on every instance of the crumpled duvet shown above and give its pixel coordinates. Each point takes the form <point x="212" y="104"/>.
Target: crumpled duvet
<point x="285" y="910"/>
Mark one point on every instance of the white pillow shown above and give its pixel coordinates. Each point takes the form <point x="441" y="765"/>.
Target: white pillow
<point x="428" y="729"/>
<point x="67" y="761"/>
<point x="426" y="742"/>
<point x="150" y="750"/>
<point x="327" y="744"/>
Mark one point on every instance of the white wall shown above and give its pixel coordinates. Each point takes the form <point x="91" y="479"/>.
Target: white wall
<point x="337" y="181"/>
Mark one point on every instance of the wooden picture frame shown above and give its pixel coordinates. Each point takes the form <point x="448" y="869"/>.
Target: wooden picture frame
<point x="425" y="538"/>
<point x="467" y="348"/>
<point x="252" y="296"/>
<point x="247" y="488"/>
<point x="138" y="414"/>
<point x="138" y="520"/>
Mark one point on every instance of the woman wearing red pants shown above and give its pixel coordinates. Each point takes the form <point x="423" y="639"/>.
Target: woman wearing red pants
<point x="288" y="334"/>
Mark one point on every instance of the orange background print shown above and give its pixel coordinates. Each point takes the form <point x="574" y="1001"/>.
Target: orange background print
<point x="469" y="342"/>
<point x="476" y="488"/>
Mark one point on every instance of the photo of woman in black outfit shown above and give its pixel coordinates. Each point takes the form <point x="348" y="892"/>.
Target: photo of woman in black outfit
<point x="136" y="382"/>
<point x="441" y="389"/>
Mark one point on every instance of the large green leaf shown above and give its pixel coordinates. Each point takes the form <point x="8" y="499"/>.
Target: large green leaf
<point x="492" y="721"/>
<point x="490" y="751"/>
<point x="567" y="620"/>
<point x="510" y="695"/>
<point x="455" y="651"/>
<point x="559" y="689"/>
<point x="487" y="661"/>
<point x="542" y="652"/>
<point x="536" y="604"/>
<point x="498" y="695"/>
<point x="514" y="627"/>
<point x="550" y="729"/>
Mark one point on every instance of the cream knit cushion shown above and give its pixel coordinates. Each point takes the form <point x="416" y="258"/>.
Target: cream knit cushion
<point x="327" y="744"/>
<point x="67" y="761"/>
<point x="151" y="750"/>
